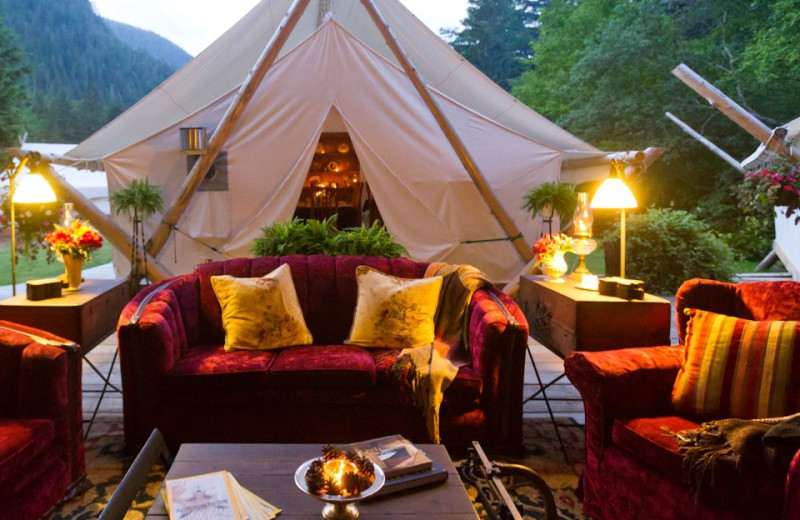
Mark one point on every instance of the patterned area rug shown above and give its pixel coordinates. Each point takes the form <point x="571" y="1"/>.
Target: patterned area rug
<point x="107" y="464"/>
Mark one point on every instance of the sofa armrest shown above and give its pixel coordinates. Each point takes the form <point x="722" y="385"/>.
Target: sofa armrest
<point x="48" y="386"/>
<point x="632" y="382"/>
<point x="498" y="337"/>
<point x="152" y="337"/>
<point x="791" y="509"/>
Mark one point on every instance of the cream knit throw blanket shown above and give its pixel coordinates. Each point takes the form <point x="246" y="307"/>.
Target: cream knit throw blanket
<point x="429" y="375"/>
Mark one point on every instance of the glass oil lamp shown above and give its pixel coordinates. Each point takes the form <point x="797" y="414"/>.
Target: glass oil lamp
<point x="582" y="243"/>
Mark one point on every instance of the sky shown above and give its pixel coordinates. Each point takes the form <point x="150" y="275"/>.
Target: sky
<point x="195" y="24"/>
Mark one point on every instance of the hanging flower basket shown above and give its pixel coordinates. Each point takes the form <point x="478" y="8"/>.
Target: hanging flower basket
<point x="779" y="185"/>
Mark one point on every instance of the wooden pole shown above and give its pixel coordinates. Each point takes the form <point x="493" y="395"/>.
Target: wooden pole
<point x="708" y="144"/>
<point x="226" y="124"/>
<point x="12" y="178"/>
<point x="638" y="160"/>
<point x="734" y="112"/>
<point x="463" y="154"/>
<point x="107" y="227"/>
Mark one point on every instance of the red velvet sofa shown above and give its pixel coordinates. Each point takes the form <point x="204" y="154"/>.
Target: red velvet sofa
<point x="42" y="458"/>
<point x="633" y="469"/>
<point x="177" y="377"/>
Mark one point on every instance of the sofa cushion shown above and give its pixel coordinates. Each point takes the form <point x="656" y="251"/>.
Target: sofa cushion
<point x="645" y="438"/>
<point x="333" y="366"/>
<point x="207" y="367"/>
<point x="261" y="313"/>
<point x="21" y="442"/>
<point x="738" y="368"/>
<point x="392" y="311"/>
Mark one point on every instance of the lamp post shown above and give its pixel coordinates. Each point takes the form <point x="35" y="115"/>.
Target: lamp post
<point x="32" y="189"/>
<point x="615" y="194"/>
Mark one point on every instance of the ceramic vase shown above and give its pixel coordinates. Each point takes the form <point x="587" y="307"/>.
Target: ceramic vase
<point x="73" y="268"/>
<point x="555" y="267"/>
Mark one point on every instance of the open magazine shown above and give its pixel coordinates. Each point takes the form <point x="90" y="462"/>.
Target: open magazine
<point x="214" y="495"/>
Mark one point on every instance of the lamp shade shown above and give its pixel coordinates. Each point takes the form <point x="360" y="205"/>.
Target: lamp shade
<point x="613" y="194"/>
<point x="33" y="188"/>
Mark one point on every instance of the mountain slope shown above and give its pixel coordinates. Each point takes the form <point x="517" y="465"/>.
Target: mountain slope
<point x="150" y="42"/>
<point x="82" y="75"/>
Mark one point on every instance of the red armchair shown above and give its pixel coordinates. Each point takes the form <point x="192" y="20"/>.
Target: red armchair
<point x="41" y="446"/>
<point x="633" y="469"/>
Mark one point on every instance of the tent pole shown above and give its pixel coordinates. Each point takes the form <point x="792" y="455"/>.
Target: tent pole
<point x="705" y="142"/>
<point x="735" y="112"/>
<point x="226" y="124"/>
<point x="107" y="227"/>
<point x="463" y="154"/>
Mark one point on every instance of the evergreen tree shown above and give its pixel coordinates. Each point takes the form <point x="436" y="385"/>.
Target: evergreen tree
<point x="497" y="35"/>
<point x="81" y="73"/>
<point x="603" y="71"/>
<point x="13" y="96"/>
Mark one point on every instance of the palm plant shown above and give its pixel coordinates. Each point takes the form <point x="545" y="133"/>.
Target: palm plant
<point x="139" y="200"/>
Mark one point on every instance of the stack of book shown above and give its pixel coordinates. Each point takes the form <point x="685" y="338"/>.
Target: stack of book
<point x="214" y="495"/>
<point x="404" y="465"/>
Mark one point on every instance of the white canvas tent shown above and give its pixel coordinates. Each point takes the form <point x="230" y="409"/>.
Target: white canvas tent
<point x="337" y="73"/>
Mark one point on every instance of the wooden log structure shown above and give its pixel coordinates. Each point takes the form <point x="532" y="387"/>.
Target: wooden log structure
<point x="735" y="112"/>
<point x="508" y="225"/>
<point x="248" y="88"/>
<point x="636" y="161"/>
<point x="705" y="142"/>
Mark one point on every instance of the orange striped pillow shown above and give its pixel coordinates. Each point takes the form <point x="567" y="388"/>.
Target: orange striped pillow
<point x="738" y="368"/>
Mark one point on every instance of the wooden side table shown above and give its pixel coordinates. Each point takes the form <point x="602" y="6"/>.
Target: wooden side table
<point x="86" y="317"/>
<point x="565" y="319"/>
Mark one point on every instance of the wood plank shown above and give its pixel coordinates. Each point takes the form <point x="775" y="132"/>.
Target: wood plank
<point x="85" y="317"/>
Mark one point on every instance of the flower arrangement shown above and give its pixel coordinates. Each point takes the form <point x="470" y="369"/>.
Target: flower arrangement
<point x="547" y="247"/>
<point x="77" y="240"/>
<point x="761" y="191"/>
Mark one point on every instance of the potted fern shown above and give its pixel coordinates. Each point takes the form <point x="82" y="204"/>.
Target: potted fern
<point x="551" y="198"/>
<point x="139" y="200"/>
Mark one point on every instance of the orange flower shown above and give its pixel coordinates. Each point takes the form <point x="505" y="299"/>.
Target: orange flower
<point x="77" y="240"/>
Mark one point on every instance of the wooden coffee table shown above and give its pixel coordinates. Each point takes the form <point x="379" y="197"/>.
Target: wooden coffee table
<point x="268" y="471"/>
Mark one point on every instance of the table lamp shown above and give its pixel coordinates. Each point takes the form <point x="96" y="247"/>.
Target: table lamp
<point x="33" y="188"/>
<point x="615" y="194"/>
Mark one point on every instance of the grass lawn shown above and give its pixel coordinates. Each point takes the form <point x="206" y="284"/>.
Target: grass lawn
<point x="35" y="269"/>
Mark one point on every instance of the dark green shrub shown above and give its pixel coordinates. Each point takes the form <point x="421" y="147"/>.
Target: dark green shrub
<point x="364" y="241"/>
<point x="296" y="236"/>
<point x="667" y="247"/>
<point x="309" y="237"/>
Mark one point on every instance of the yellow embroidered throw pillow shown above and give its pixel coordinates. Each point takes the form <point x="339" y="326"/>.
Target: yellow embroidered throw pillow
<point x="261" y="313"/>
<point x="394" y="312"/>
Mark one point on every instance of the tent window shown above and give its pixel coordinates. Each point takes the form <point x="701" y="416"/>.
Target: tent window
<point x="333" y="184"/>
<point x="217" y="177"/>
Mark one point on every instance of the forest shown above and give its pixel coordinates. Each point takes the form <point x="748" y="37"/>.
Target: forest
<point x="77" y="70"/>
<point x="602" y="70"/>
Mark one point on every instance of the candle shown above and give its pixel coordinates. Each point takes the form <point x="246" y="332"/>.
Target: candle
<point x="589" y="281"/>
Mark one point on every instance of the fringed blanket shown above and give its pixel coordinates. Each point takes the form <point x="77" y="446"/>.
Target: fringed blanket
<point x="428" y="371"/>
<point x="459" y="283"/>
<point x="721" y="454"/>
<point x="427" y="374"/>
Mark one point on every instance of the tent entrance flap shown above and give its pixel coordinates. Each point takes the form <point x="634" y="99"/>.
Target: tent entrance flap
<point x="333" y="185"/>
